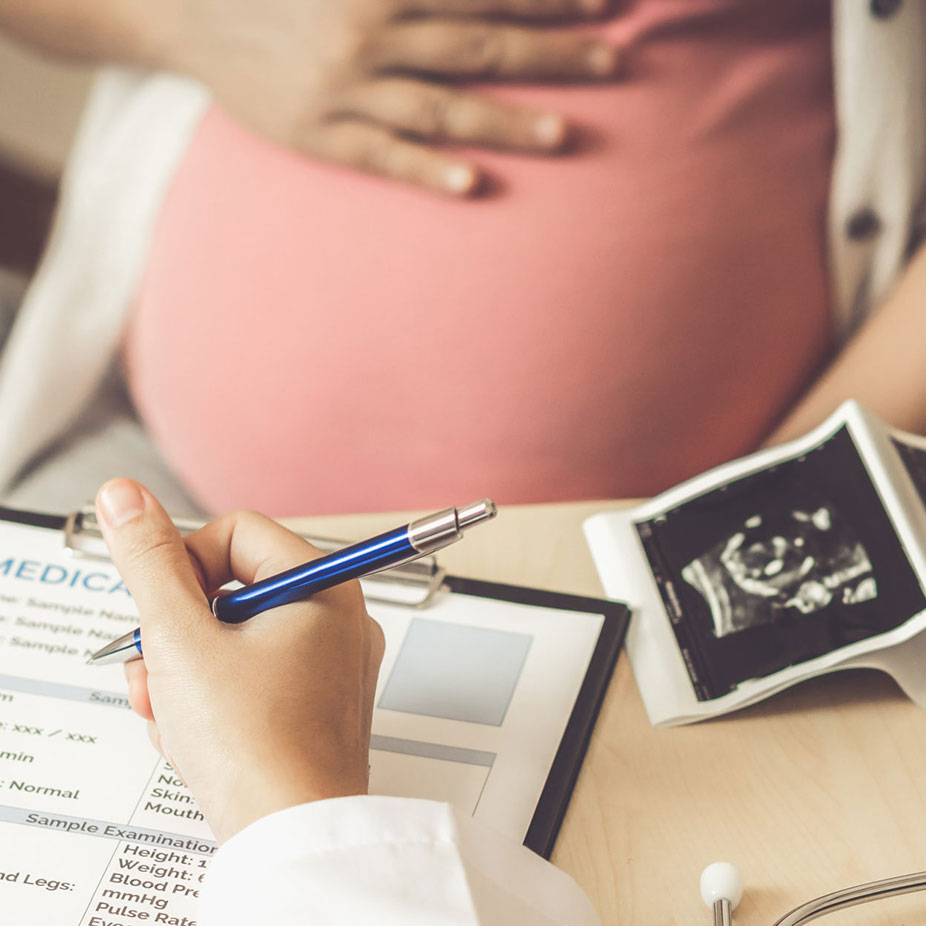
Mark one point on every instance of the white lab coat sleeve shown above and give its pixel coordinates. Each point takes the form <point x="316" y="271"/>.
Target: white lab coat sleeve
<point x="386" y="861"/>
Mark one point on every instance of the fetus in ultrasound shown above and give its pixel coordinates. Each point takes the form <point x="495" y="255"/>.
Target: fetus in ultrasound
<point x="780" y="565"/>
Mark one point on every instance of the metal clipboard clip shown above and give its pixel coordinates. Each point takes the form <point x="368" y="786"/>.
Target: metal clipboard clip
<point x="413" y="584"/>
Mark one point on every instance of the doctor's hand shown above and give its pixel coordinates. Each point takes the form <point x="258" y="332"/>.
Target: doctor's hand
<point x="373" y="84"/>
<point x="258" y="716"/>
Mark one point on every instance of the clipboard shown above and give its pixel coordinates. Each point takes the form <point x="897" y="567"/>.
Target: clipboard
<point x="561" y="779"/>
<point x="413" y="584"/>
<point x="415" y="748"/>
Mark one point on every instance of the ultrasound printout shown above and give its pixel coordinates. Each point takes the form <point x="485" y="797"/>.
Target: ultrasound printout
<point x="779" y="567"/>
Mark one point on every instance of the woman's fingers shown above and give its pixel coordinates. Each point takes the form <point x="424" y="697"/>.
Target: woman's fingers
<point x="434" y="112"/>
<point x="491" y="51"/>
<point x="376" y="150"/>
<point x="508" y="9"/>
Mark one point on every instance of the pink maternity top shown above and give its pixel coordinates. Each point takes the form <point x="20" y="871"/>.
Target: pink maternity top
<point x="310" y="340"/>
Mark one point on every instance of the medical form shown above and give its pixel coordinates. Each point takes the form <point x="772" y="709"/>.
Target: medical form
<point x="474" y="699"/>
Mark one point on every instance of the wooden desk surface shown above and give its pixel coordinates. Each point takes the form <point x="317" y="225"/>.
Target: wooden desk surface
<point x="815" y="789"/>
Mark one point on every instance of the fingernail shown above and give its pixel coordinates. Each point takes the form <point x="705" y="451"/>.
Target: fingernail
<point x="550" y="129"/>
<point x="593" y="7"/>
<point x="120" y="501"/>
<point x="459" y="179"/>
<point x="602" y="59"/>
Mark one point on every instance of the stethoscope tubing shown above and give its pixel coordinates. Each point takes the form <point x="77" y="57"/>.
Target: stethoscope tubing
<point x="852" y="896"/>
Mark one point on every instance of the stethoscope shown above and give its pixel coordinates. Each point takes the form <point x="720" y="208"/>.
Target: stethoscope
<point x="722" y="890"/>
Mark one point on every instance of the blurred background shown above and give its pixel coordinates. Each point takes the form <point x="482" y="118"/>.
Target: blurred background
<point x="40" y="104"/>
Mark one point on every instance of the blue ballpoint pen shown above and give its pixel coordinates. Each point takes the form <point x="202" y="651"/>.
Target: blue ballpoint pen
<point x="420" y="537"/>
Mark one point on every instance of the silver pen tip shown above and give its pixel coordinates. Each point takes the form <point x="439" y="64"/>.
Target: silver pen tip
<point x="476" y="512"/>
<point x="121" y="650"/>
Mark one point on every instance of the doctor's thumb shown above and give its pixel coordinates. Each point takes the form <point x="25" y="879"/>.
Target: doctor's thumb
<point x="151" y="557"/>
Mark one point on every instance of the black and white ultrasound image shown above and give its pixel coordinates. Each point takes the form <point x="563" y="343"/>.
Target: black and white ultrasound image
<point x="780" y="567"/>
<point x="914" y="459"/>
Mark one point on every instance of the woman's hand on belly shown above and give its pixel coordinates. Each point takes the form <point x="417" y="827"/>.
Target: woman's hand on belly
<point x="369" y="84"/>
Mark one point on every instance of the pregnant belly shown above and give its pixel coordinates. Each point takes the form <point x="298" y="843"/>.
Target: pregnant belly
<point x="608" y="323"/>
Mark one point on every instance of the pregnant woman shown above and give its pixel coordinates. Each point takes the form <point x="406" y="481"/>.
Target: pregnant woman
<point x="301" y="337"/>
